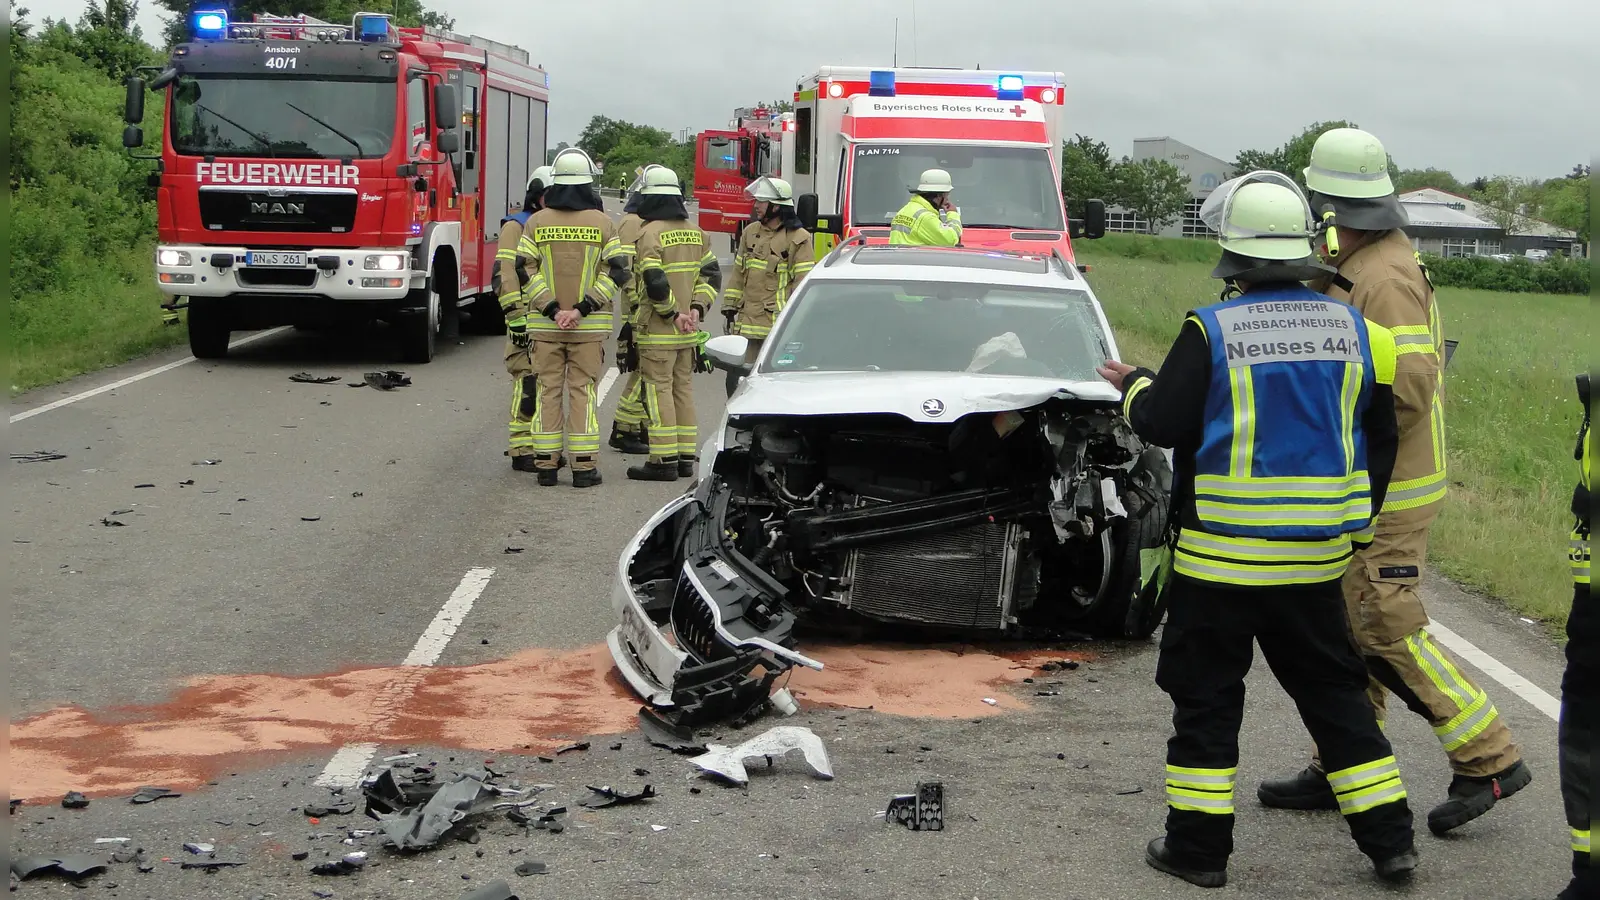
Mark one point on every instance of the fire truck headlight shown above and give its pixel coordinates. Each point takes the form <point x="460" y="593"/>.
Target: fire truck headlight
<point x="385" y="262"/>
<point x="172" y="258"/>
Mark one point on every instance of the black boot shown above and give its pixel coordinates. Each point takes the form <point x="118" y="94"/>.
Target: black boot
<point x="1472" y="797"/>
<point x="522" y="463"/>
<point x="685" y="467"/>
<point x="583" y="478"/>
<point x="1307" y="790"/>
<point x="628" y="442"/>
<point x="1162" y="860"/>
<point x="547" y="477"/>
<point x="666" y="470"/>
<point x="1398" y="867"/>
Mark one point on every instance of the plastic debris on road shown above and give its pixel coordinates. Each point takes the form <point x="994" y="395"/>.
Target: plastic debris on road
<point x="152" y="794"/>
<point x="385" y="381"/>
<point x="72" y="865"/>
<point x="494" y="890"/>
<point x="308" y="378"/>
<point x="74" y="800"/>
<point x="728" y="762"/>
<point x="532" y="867"/>
<point x="446" y="811"/>
<point x="922" y="811"/>
<point x="784" y="703"/>
<point x="608" y="796"/>
<point x="666" y="735"/>
<point x="38" y="456"/>
<point x="350" y="864"/>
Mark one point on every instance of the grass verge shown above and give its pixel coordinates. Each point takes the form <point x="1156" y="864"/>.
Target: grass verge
<point x="1510" y="408"/>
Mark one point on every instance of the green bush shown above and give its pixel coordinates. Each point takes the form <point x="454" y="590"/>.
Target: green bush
<point x="1556" y="275"/>
<point x="1154" y="249"/>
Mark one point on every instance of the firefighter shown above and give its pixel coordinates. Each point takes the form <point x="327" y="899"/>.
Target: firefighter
<point x="774" y="254"/>
<point x="628" y="431"/>
<point x="508" y="283"/>
<point x="928" y="219"/>
<point x="1381" y="276"/>
<point x="575" y="268"/>
<point x="679" y="279"/>
<point x="1580" y="684"/>
<point x="1258" y="555"/>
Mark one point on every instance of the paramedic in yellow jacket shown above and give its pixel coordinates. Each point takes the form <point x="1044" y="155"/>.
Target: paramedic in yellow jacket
<point x="775" y="252"/>
<point x="575" y="265"/>
<point x="628" y="428"/>
<point x="508" y="281"/>
<point x="1381" y="276"/>
<point x="928" y="219"/>
<point x="679" y="278"/>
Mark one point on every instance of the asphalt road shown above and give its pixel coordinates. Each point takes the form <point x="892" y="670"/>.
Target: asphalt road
<point x="220" y="644"/>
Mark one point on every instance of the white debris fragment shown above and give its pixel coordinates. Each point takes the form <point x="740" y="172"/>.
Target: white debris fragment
<point x="991" y="701"/>
<point x="389" y="759"/>
<point x="110" y="840"/>
<point x="658" y="828"/>
<point x="783" y="701"/>
<point x="728" y="762"/>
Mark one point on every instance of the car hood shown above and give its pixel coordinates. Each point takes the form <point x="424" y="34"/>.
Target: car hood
<point x="919" y="396"/>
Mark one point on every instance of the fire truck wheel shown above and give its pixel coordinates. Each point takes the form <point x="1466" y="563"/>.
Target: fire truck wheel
<point x="209" y="329"/>
<point x="419" y="332"/>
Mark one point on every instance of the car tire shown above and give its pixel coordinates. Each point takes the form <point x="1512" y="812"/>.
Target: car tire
<point x="1133" y="607"/>
<point x="419" y="332"/>
<point x="209" y="329"/>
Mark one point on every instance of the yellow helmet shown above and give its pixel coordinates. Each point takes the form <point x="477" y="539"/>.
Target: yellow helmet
<point x="1348" y="162"/>
<point x="1260" y="215"/>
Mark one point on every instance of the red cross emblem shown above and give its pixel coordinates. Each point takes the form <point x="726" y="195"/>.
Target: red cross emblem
<point x="1018" y="111"/>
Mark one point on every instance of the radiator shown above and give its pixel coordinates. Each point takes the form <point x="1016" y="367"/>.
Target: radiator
<point x="958" y="579"/>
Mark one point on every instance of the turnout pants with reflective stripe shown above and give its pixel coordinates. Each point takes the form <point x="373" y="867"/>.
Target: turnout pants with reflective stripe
<point x="1206" y="651"/>
<point x="567" y="371"/>
<point x="630" y="406"/>
<point x="669" y="401"/>
<point x="1580" y="735"/>
<point x="524" y="396"/>
<point x="1389" y="624"/>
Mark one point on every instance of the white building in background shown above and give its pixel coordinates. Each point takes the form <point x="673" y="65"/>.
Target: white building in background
<point x="1452" y="225"/>
<point x="1205" y="173"/>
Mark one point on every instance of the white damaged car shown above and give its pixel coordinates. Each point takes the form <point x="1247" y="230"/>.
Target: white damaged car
<point x="923" y="444"/>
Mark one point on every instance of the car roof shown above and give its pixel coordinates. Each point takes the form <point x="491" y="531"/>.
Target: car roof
<point x="948" y="264"/>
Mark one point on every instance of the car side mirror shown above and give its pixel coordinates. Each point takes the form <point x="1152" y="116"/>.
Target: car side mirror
<point x="446" y="111"/>
<point x="133" y="106"/>
<point x="727" y="353"/>
<point x="447" y="142"/>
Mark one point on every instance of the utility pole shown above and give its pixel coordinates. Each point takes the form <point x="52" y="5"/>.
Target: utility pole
<point x="896" y="63"/>
<point x="914" y="55"/>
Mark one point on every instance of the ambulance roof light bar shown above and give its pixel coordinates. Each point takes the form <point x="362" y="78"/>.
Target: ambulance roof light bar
<point x="881" y="83"/>
<point x="1009" y="87"/>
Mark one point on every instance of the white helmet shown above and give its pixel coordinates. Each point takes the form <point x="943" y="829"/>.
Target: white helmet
<point x="573" y="166"/>
<point x="544" y="175"/>
<point x="639" y="177"/>
<point x="1261" y="215"/>
<point x="771" y="190"/>
<point x="935" y="181"/>
<point x="660" y="180"/>
<point x="1348" y="162"/>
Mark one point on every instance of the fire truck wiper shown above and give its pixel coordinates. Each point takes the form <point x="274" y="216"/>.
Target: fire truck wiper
<point x="359" y="151"/>
<point x="264" y="142"/>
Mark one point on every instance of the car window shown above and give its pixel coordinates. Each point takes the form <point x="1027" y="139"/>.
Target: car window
<point x="857" y="326"/>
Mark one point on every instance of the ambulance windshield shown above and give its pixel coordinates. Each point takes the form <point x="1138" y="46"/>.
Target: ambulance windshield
<point x="995" y="187"/>
<point x="306" y="118"/>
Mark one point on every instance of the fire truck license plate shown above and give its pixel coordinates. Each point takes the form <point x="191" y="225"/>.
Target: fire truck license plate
<point x="275" y="258"/>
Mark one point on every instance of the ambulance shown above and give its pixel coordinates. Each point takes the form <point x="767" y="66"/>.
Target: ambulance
<point x="862" y="137"/>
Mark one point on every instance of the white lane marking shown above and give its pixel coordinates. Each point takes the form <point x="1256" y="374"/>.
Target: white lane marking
<point x="351" y="761"/>
<point x="149" y="373"/>
<point x="605" y="386"/>
<point x="1497" y="670"/>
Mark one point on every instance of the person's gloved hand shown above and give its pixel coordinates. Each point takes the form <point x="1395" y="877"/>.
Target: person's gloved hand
<point x="729" y="314"/>
<point x="517" y="329"/>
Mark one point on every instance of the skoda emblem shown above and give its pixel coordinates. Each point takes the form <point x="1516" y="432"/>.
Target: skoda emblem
<point x="933" y="408"/>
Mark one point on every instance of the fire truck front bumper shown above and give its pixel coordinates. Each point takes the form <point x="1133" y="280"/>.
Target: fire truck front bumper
<point x="367" y="274"/>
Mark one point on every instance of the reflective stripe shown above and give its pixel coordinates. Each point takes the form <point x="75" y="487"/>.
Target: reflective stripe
<point x="1369" y="785"/>
<point x="1259" y="562"/>
<point x="1441" y="671"/>
<point x="1201" y="790"/>
<point x="1352" y="510"/>
<point x="1413" y="339"/>
<point x="1204" y="779"/>
<point x="1244" y="421"/>
<point x="600" y="321"/>
<point x="1334" y="549"/>
<point x="1459" y="731"/>
<point x="1333" y="488"/>
<point x="1580" y="841"/>
<point x="1139" y="387"/>
<point x="1579" y="554"/>
<point x="1349" y="176"/>
<point x="1349" y="395"/>
<point x="1416" y="492"/>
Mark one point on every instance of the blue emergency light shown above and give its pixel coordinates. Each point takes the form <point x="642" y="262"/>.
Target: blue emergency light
<point x="881" y="84"/>
<point x="1010" y="87"/>
<point x="372" y="28"/>
<point x="210" y="24"/>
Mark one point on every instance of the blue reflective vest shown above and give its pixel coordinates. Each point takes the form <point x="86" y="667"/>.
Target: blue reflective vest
<point x="1281" y="476"/>
<point x="521" y="218"/>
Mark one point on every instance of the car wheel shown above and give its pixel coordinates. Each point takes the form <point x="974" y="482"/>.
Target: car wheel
<point x="419" y="333"/>
<point x="1132" y="606"/>
<point x="209" y="329"/>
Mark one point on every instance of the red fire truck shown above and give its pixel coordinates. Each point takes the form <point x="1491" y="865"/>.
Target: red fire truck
<point x="310" y="173"/>
<point x="755" y="144"/>
<point x="862" y="137"/>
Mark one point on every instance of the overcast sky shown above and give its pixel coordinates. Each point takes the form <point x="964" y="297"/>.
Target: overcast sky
<point x="1474" y="86"/>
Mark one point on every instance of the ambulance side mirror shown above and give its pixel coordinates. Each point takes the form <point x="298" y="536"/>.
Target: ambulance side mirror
<point x="805" y="206"/>
<point x="1093" y="224"/>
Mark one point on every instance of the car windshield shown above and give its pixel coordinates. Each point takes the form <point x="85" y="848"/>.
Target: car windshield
<point x="869" y="326"/>
<point x="283" y="117"/>
<point x="995" y="187"/>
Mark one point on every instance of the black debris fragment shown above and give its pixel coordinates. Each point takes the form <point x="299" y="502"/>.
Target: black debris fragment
<point x="204" y="462"/>
<point x="617" y="746"/>
<point x="12" y="808"/>
<point x="357" y="494"/>
<point x="113" y="523"/>
<point x="350" y="864"/>
<point x="570" y="748"/>
<point x="494" y="890"/>
<point x="186" y="483"/>
<point x="38" y="456"/>
<point x="518" y="817"/>
<point x="322" y="894"/>
<point x="513" y="549"/>
<point x="123" y="857"/>
<point x="211" y="863"/>
<point x="1059" y="665"/>
<point x="922" y="811"/>
<point x="200" y="848"/>
<point x="122" y="512"/>
<point x="140" y="487"/>
<point x="300" y="856"/>
<point x="608" y="796"/>
<point x="642" y="772"/>
<point x="387" y="380"/>
<point x="661" y="733"/>
<point x="1129" y="791"/>
<point x="311" y="518"/>
<point x="152" y="794"/>
<point x="449" y="808"/>
<point x="308" y="378"/>
<point x="74" y="800"/>
<point x="73" y="865"/>
<point x="532" y="867"/>
<point x="341" y="809"/>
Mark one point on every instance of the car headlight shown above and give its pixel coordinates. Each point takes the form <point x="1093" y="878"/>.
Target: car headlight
<point x="172" y="258"/>
<point x="386" y="262"/>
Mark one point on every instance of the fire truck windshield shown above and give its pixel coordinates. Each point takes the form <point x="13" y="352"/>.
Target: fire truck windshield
<point x="283" y="117"/>
<point x="996" y="187"/>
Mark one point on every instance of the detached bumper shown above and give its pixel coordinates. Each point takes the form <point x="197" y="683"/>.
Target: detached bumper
<point x="338" y="274"/>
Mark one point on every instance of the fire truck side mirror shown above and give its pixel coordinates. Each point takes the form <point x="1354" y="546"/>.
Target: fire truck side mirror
<point x="132" y="137"/>
<point x="133" y="107"/>
<point x="448" y="142"/>
<point x="446" y="112"/>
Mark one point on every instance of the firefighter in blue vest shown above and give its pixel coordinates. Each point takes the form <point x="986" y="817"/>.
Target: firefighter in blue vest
<point x="1580" y="686"/>
<point x="1277" y="402"/>
<point x="508" y="282"/>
